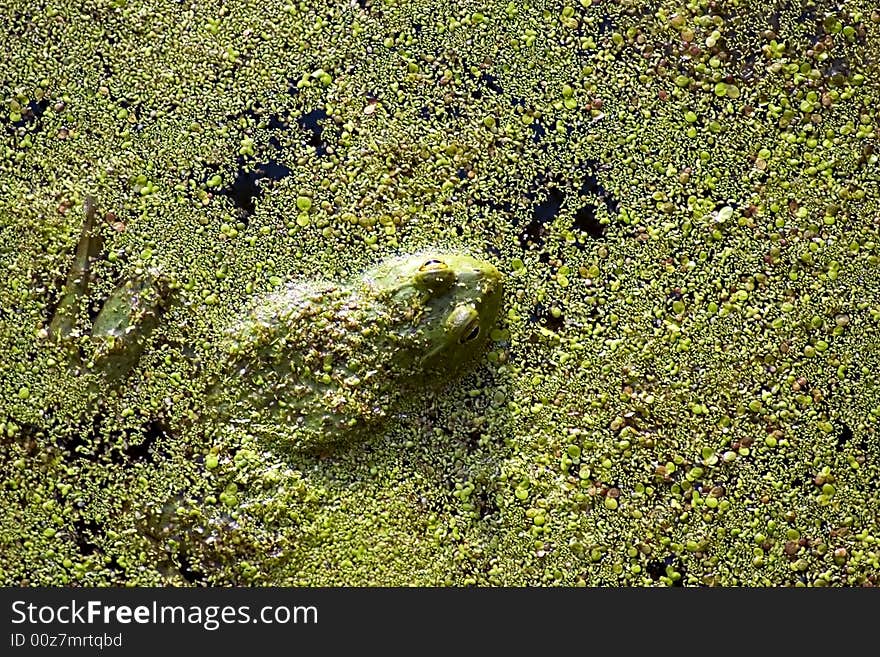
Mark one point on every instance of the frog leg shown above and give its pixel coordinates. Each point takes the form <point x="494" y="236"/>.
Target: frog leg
<point x="125" y="321"/>
<point x="126" y="318"/>
<point x="63" y="322"/>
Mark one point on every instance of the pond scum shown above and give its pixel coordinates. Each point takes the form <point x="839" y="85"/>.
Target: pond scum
<point x="682" y="385"/>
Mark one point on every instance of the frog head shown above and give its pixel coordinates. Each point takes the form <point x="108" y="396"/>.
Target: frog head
<point x="443" y="306"/>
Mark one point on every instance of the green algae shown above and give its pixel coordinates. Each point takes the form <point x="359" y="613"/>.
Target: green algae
<point x="683" y="197"/>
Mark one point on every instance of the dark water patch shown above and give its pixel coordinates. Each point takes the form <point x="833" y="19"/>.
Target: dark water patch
<point x="836" y="71"/>
<point x="486" y="505"/>
<point x="106" y="65"/>
<point x="492" y="249"/>
<point x="538" y="131"/>
<point x="144" y="451"/>
<point x="747" y="66"/>
<point x="548" y="209"/>
<point x="808" y="15"/>
<point x="719" y="205"/>
<point x="590" y="186"/>
<point x="865" y="156"/>
<point x="586" y="222"/>
<point x="247" y="184"/>
<point x="656" y="568"/>
<point x="36" y="108"/>
<point x="498" y="206"/>
<point x="276" y="122"/>
<point x="585" y="219"/>
<point x="87" y="445"/>
<point x="85" y="533"/>
<point x="19" y="22"/>
<point x="491" y="83"/>
<point x="310" y="122"/>
<point x="125" y="447"/>
<point x="31" y="113"/>
<point x="257" y="114"/>
<point x="274" y="171"/>
<point x="845" y="435"/>
<point x="533" y="234"/>
<point x="114" y="564"/>
<point x="28" y="437"/>
<point x="544" y="212"/>
<point x="453" y="111"/>
<point x="540" y="314"/>
<point x="799" y="480"/>
<point x="189" y="571"/>
<point x="473" y="440"/>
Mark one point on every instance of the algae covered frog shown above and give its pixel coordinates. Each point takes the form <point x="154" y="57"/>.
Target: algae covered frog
<point x="321" y="362"/>
<point x="315" y="363"/>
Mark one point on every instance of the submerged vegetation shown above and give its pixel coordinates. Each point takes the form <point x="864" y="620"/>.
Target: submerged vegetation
<point x="682" y="384"/>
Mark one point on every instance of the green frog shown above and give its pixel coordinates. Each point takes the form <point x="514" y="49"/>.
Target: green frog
<point x="316" y="363"/>
<point x="322" y="362"/>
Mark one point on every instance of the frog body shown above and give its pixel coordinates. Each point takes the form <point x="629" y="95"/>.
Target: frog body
<point x="317" y="362"/>
<point x="322" y="362"/>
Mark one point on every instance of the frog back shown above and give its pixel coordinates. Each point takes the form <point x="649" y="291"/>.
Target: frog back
<point x="309" y="363"/>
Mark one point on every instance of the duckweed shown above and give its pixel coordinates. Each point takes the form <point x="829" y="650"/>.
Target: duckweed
<point x="682" y="388"/>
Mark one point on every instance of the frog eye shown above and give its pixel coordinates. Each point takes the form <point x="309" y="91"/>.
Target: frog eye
<point x="433" y="265"/>
<point x="435" y="275"/>
<point x="464" y="323"/>
<point x="471" y="331"/>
